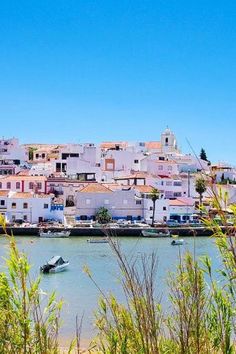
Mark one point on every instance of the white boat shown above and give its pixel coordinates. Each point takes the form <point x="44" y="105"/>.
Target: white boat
<point x="177" y="242"/>
<point x="155" y="233"/>
<point x="99" y="240"/>
<point x="54" y="265"/>
<point x="54" y="234"/>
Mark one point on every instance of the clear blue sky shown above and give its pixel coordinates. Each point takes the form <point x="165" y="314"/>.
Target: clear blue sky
<point x="83" y="70"/>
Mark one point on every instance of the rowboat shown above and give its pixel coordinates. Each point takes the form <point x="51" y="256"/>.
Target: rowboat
<point x="54" y="234"/>
<point x="155" y="233"/>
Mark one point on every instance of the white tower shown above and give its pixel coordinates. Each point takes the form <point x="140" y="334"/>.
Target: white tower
<point x="168" y="141"/>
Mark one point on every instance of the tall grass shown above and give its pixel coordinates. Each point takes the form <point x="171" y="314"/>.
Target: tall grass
<point x="200" y="318"/>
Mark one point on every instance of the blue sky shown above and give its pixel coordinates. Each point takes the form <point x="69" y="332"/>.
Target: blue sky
<point x="87" y="71"/>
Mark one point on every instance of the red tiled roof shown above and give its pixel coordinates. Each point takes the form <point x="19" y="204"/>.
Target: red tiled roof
<point x="4" y="193"/>
<point x="143" y="189"/>
<point x="95" y="188"/>
<point x="181" y="202"/>
<point x="26" y="178"/>
<point x="113" y="144"/>
<point x="25" y="195"/>
<point x="153" y="145"/>
<point x="138" y="174"/>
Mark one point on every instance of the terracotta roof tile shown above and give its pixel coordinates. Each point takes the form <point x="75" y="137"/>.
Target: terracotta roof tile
<point x="181" y="202"/>
<point x="143" y="189"/>
<point x="113" y="144"/>
<point x="4" y="193"/>
<point x="95" y="188"/>
<point x="153" y="145"/>
<point x="24" y="195"/>
<point x="19" y="178"/>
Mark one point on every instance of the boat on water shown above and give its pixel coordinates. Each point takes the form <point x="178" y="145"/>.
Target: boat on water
<point x="54" y="234"/>
<point x="177" y="242"/>
<point x="99" y="240"/>
<point x="155" y="233"/>
<point x="55" y="265"/>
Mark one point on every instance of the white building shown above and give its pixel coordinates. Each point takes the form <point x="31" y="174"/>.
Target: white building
<point x="31" y="207"/>
<point x="19" y="183"/>
<point x="121" y="203"/>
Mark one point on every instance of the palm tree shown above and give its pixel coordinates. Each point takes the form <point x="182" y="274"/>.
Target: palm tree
<point x="103" y="216"/>
<point x="200" y="187"/>
<point x="154" y="196"/>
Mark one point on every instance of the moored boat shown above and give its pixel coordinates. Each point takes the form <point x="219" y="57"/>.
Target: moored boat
<point x="99" y="240"/>
<point x="155" y="233"/>
<point x="54" y="265"/>
<point x="177" y="242"/>
<point x="54" y="234"/>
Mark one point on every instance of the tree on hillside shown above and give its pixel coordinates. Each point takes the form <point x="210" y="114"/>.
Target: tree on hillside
<point x="154" y="196"/>
<point x="200" y="187"/>
<point x="31" y="153"/>
<point x="103" y="216"/>
<point x="203" y="155"/>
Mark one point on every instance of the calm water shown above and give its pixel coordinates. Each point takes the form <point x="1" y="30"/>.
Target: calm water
<point x="76" y="289"/>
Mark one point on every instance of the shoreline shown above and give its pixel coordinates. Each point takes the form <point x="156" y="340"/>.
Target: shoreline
<point x="186" y="231"/>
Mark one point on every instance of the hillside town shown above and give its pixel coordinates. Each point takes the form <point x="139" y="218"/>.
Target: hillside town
<point x="69" y="183"/>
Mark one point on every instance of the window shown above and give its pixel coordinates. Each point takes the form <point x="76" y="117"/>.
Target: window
<point x="45" y="206"/>
<point x="151" y="208"/>
<point x="13" y="205"/>
<point x="25" y="217"/>
<point x="2" y="202"/>
<point x="8" y="185"/>
<point x="106" y="201"/>
<point x="136" y="161"/>
<point x="166" y="141"/>
<point x="83" y="217"/>
<point x="39" y="185"/>
<point x="25" y="205"/>
<point x="169" y="168"/>
<point x="160" y="167"/>
<point x="31" y="185"/>
<point x="88" y="201"/>
<point x="17" y="185"/>
<point x="110" y="166"/>
<point x="164" y="208"/>
<point x="125" y="201"/>
<point x="37" y="156"/>
<point x="177" y="194"/>
<point x="138" y="202"/>
<point x="178" y="183"/>
<point x="0" y="185"/>
<point x="169" y="183"/>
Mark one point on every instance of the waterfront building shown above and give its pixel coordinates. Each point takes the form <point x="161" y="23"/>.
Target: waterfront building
<point x="21" y="183"/>
<point x="30" y="207"/>
<point x="120" y="202"/>
<point x="181" y="209"/>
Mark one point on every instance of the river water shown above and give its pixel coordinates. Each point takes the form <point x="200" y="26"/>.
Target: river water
<point x="76" y="289"/>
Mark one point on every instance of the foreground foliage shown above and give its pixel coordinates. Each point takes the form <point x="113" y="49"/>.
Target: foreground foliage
<point x="200" y="317"/>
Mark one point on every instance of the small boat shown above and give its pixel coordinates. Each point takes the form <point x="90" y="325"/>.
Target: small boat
<point x="99" y="240"/>
<point x="54" y="265"/>
<point x="177" y="242"/>
<point x="155" y="233"/>
<point x="54" y="234"/>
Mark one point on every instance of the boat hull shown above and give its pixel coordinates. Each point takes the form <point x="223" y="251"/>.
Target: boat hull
<point x="59" y="268"/>
<point x="177" y="242"/>
<point x="56" y="234"/>
<point x="148" y="233"/>
<point x="97" y="241"/>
